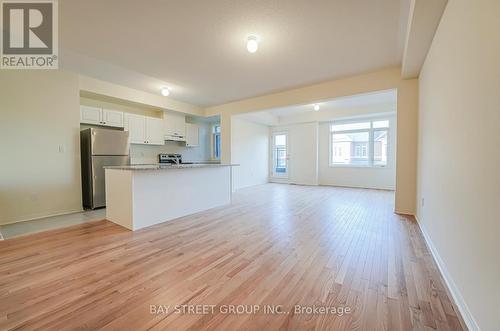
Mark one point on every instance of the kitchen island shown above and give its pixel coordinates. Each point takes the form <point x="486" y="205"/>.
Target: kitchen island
<point x="138" y="196"/>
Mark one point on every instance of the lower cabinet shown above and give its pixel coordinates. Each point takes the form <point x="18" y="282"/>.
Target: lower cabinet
<point x="144" y="129"/>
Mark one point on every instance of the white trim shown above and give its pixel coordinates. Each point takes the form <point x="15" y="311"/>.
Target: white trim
<point x="360" y="187"/>
<point x="452" y="287"/>
<point x="273" y="174"/>
<point x="371" y="140"/>
<point x="404" y="212"/>
<point x="212" y="142"/>
<point x="33" y="218"/>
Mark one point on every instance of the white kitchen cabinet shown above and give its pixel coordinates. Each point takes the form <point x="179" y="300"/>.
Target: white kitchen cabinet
<point x="136" y="127"/>
<point x="174" y="126"/>
<point x="100" y="116"/>
<point x="112" y="118"/>
<point x="192" y="135"/>
<point x="144" y="130"/>
<point x="90" y="115"/>
<point x="154" y="131"/>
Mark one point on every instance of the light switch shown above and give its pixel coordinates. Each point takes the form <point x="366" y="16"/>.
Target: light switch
<point x="62" y="149"/>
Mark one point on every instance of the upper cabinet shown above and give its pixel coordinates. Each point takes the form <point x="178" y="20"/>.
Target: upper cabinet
<point x="113" y="118"/>
<point x="90" y="115"/>
<point x="136" y="127"/>
<point x="144" y="130"/>
<point x="100" y="116"/>
<point x="174" y="126"/>
<point x="154" y="131"/>
<point x="192" y="135"/>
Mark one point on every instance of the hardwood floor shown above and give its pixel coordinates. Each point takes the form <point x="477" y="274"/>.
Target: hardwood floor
<point x="276" y="245"/>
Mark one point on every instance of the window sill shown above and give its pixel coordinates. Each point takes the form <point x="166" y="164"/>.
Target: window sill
<point x="279" y="177"/>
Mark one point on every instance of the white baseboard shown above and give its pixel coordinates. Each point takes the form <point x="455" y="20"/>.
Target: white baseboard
<point x="452" y="287"/>
<point x="37" y="217"/>
<point x="405" y="212"/>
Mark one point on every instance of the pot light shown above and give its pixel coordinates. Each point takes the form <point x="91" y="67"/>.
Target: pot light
<point x="316" y="107"/>
<point x="252" y="44"/>
<point x="165" y="91"/>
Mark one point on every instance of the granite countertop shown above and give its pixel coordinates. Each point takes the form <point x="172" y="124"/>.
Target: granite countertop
<point x="169" y="166"/>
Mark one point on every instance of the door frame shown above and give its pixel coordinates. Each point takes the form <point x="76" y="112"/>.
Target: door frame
<point x="273" y="174"/>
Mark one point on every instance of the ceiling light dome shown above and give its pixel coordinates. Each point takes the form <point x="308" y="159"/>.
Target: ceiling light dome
<point x="165" y="91"/>
<point x="252" y="44"/>
<point x="316" y="107"/>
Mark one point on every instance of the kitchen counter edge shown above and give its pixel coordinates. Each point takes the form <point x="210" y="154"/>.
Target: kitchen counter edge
<point x="168" y="167"/>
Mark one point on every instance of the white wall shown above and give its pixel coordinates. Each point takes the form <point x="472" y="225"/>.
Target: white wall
<point x="143" y="154"/>
<point x="99" y="87"/>
<point x="39" y="145"/>
<point x="365" y="177"/>
<point x="303" y="153"/>
<point x="459" y="155"/>
<point x="309" y="145"/>
<point x="249" y="149"/>
<point x="381" y="80"/>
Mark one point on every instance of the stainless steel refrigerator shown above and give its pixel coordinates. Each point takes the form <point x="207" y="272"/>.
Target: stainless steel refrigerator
<point x="99" y="148"/>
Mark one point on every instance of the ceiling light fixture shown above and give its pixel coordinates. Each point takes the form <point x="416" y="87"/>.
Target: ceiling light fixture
<point x="165" y="91"/>
<point x="252" y="44"/>
<point x="316" y="107"/>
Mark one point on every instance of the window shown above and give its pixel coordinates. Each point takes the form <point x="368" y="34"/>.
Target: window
<point x="362" y="143"/>
<point x="216" y="142"/>
<point x="380" y="147"/>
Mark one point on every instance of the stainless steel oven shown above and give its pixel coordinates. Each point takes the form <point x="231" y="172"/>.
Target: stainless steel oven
<point x="170" y="158"/>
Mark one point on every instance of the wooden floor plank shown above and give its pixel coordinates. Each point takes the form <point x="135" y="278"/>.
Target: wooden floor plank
<point x="275" y="246"/>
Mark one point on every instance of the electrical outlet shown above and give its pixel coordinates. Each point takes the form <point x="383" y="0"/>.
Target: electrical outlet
<point x="33" y="197"/>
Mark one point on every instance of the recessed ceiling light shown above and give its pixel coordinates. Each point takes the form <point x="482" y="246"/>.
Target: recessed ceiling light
<point x="165" y="91"/>
<point x="252" y="44"/>
<point x="316" y="107"/>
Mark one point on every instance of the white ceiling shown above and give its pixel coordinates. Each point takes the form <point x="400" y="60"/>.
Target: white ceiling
<point x="373" y="102"/>
<point x="360" y="100"/>
<point x="198" y="47"/>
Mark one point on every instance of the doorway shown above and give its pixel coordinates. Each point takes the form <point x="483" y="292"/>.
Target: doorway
<point x="280" y="151"/>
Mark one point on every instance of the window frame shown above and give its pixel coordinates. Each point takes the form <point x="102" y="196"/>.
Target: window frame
<point x="371" y="141"/>
<point x="213" y="142"/>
